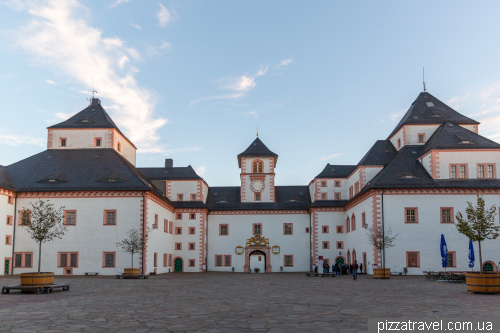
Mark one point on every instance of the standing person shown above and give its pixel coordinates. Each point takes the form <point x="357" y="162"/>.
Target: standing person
<point x="361" y="268"/>
<point x="355" y="270"/>
<point x="350" y="269"/>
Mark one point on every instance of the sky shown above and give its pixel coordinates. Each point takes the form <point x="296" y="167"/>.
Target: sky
<point x="192" y="80"/>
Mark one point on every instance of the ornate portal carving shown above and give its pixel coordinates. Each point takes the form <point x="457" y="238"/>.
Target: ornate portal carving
<point x="239" y="250"/>
<point x="257" y="240"/>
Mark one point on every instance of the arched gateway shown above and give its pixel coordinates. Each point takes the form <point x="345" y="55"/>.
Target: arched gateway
<point x="257" y="255"/>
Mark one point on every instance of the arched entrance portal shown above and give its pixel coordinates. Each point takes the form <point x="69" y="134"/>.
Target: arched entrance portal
<point x="178" y="265"/>
<point x="340" y="261"/>
<point x="265" y="254"/>
<point x="257" y="260"/>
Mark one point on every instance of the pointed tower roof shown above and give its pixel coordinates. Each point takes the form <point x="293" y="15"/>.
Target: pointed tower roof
<point x="427" y="109"/>
<point x="257" y="149"/>
<point x="93" y="116"/>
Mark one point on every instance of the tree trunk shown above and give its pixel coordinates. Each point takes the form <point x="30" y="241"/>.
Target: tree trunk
<point x="480" y="259"/>
<point x="39" y="256"/>
<point x="132" y="259"/>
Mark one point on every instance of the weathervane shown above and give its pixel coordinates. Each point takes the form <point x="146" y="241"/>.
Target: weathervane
<point x="423" y="78"/>
<point x="93" y="91"/>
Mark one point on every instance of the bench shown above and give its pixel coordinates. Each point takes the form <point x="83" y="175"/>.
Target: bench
<point x="120" y="276"/>
<point x="321" y="274"/>
<point x="38" y="290"/>
<point x="91" y="273"/>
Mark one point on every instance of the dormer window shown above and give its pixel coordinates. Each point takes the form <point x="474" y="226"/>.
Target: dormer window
<point x="112" y="179"/>
<point x="52" y="180"/>
<point x="62" y="142"/>
<point x="85" y="121"/>
<point x="257" y="167"/>
<point x="421" y="138"/>
<point x="97" y="142"/>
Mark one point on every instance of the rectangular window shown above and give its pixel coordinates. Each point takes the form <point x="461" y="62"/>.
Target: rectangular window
<point x="227" y="261"/>
<point x="178" y="216"/>
<point x="340" y="245"/>
<point x="326" y="245"/>
<point x="73" y="260"/>
<point x="337" y="195"/>
<point x="155" y="259"/>
<point x="447" y="215"/>
<point x="191" y="263"/>
<point x="18" y="260"/>
<point x="165" y="226"/>
<point x="110" y="217"/>
<point x="193" y="197"/>
<point x="307" y="230"/>
<point x="257" y="228"/>
<point x="25" y="218"/>
<point x="399" y="143"/>
<point x="165" y="260"/>
<point x="411" y="215"/>
<point x="156" y="222"/>
<point x="170" y="260"/>
<point x="178" y="246"/>
<point x="257" y="196"/>
<point x="363" y="219"/>
<point x="480" y="171"/>
<point x="287" y="228"/>
<point x="170" y="227"/>
<point x="27" y="260"/>
<point x="9" y="220"/>
<point x="340" y="229"/>
<point x="180" y="197"/>
<point x="421" y="138"/>
<point x="350" y="193"/>
<point x="337" y="183"/>
<point x="109" y="259"/>
<point x="323" y="196"/>
<point x="412" y="259"/>
<point x="8" y="240"/>
<point x="451" y="259"/>
<point x="325" y="229"/>
<point x="288" y="261"/>
<point x="462" y="171"/>
<point x="192" y="216"/>
<point x="218" y="261"/>
<point x="192" y="231"/>
<point x="10" y="200"/>
<point x="70" y="217"/>
<point x="119" y="147"/>
<point x="191" y="246"/>
<point x="356" y="188"/>
<point x="490" y="171"/>
<point x="459" y="171"/>
<point x="323" y="184"/>
<point x="62" y="142"/>
<point x="178" y="230"/>
<point x="64" y="260"/>
<point x="223" y="229"/>
<point x="97" y="142"/>
<point x="453" y="171"/>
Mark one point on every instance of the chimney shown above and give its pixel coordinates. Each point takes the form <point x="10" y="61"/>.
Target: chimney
<point x="169" y="163"/>
<point x="96" y="101"/>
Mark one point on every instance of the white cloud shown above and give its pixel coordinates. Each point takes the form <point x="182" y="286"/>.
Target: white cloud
<point x="134" y="53"/>
<point x="396" y="116"/>
<point x="483" y="105"/>
<point x="60" y="39"/>
<point x="329" y="157"/>
<point x="17" y="140"/>
<point x="164" y="16"/>
<point x="50" y="82"/>
<point x="216" y="97"/>
<point x="117" y="2"/>
<point x="164" y="45"/>
<point x="200" y="171"/>
<point x="135" y="25"/>
<point x="13" y="4"/>
<point x="285" y="62"/>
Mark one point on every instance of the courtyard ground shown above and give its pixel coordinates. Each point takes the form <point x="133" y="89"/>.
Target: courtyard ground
<point x="236" y="302"/>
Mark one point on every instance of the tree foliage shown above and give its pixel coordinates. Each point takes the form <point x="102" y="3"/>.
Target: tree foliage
<point x="133" y="243"/>
<point x="43" y="222"/>
<point x="478" y="224"/>
<point x="381" y="239"/>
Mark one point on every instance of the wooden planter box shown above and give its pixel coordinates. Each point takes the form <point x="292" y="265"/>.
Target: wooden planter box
<point x="487" y="283"/>
<point x="382" y="273"/>
<point x="132" y="271"/>
<point x="43" y="279"/>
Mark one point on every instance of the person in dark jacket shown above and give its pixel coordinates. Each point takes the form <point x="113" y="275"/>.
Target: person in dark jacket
<point x="361" y="268"/>
<point x="355" y="270"/>
<point x="350" y="269"/>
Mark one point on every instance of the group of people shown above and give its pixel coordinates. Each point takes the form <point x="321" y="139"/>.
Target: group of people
<point x="344" y="269"/>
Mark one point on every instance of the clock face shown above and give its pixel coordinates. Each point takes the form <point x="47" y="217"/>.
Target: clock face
<point x="257" y="185"/>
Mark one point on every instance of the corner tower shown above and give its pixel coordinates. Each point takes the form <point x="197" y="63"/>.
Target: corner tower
<point x="257" y="164"/>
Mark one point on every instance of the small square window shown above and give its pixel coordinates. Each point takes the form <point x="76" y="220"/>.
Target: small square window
<point x="178" y="246"/>
<point x="323" y="196"/>
<point x="257" y="196"/>
<point x="10" y="200"/>
<point x="323" y="184"/>
<point x="218" y="261"/>
<point x="97" y="142"/>
<point x="193" y="197"/>
<point x="223" y="229"/>
<point x="340" y="245"/>
<point x="180" y="197"/>
<point x="288" y="261"/>
<point x="307" y="230"/>
<point x="191" y="263"/>
<point x="192" y="216"/>
<point x="109" y="260"/>
<point x="340" y="229"/>
<point x="191" y="231"/>
<point x="110" y="217"/>
<point x="191" y="246"/>
<point x="257" y="229"/>
<point x="337" y="196"/>
<point x="287" y="229"/>
<point x="178" y="231"/>
<point x="325" y="229"/>
<point x="326" y="245"/>
<point x="62" y="142"/>
<point x="337" y="183"/>
<point x="8" y="240"/>
<point x="178" y="216"/>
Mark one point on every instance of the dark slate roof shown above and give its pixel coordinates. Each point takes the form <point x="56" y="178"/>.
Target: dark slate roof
<point x="5" y="181"/>
<point x="329" y="203"/>
<point x="174" y="173"/>
<point x="381" y="153"/>
<point x="420" y="112"/>
<point x="93" y="116"/>
<point x="451" y="136"/>
<point x="257" y="148"/>
<point x="78" y="169"/>
<point x="189" y="204"/>
<point x="336" y="171"/>
<point x="286" y="198"/>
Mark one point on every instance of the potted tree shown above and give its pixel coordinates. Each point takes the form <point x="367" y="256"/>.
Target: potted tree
<point x="44" y="223"/>
<point x="381" y="240"/>
<point x="132" y="244"/>
<point x="478" y="226"/>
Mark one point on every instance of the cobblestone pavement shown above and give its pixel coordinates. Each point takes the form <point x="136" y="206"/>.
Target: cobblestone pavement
<point x="235" y="302"/>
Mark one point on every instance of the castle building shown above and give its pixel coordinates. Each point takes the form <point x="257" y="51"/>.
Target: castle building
<point x="414" y="182"/>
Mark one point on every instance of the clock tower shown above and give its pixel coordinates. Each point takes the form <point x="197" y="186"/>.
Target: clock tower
<point x="257" y="164"/>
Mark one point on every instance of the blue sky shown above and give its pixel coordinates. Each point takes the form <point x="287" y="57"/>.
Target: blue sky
<point x="192" y="80"/>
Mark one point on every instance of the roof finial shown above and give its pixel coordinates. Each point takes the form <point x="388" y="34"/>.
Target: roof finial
<point x="423" y="78"/>
<point x="257" y="130"/>
<point x="93" y="91"/>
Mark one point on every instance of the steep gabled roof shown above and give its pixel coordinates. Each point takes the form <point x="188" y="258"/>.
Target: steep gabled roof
<point x="336" y="171"/>
<point x="257" y="148"/>
<point x="453" y="136"/>
<point x="381" y="153"/>
<point x="174" y="173"/>
<point x="427" y="109"/>
<point x="93" y="116"/>
<point x="286" y="198"/>
<point x="5" y="181"/>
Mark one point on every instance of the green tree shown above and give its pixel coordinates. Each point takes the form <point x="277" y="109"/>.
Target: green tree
<point x="479" y="224"/>
<point x="133" y="243"/>
<point x="381" y="239"/>
<point x="44" y="223"/>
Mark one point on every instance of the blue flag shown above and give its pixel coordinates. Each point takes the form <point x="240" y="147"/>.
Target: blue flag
<point x="444" y="252"/>
<point x="471" y="254"/>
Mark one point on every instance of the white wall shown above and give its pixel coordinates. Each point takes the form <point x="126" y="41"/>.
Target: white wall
<point x="185" y="187"/>
<point x="6" y="209"/>
<point x="127" y="150"/>
<point x="398" y="135"/>
<point x="467" y="157"/>
<point x="185" y="254"/>
<point x="79" y="138"/>
<point x="330" y="188"/>
<point x="240" y="229"/>
<point x="412" y="132"/>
